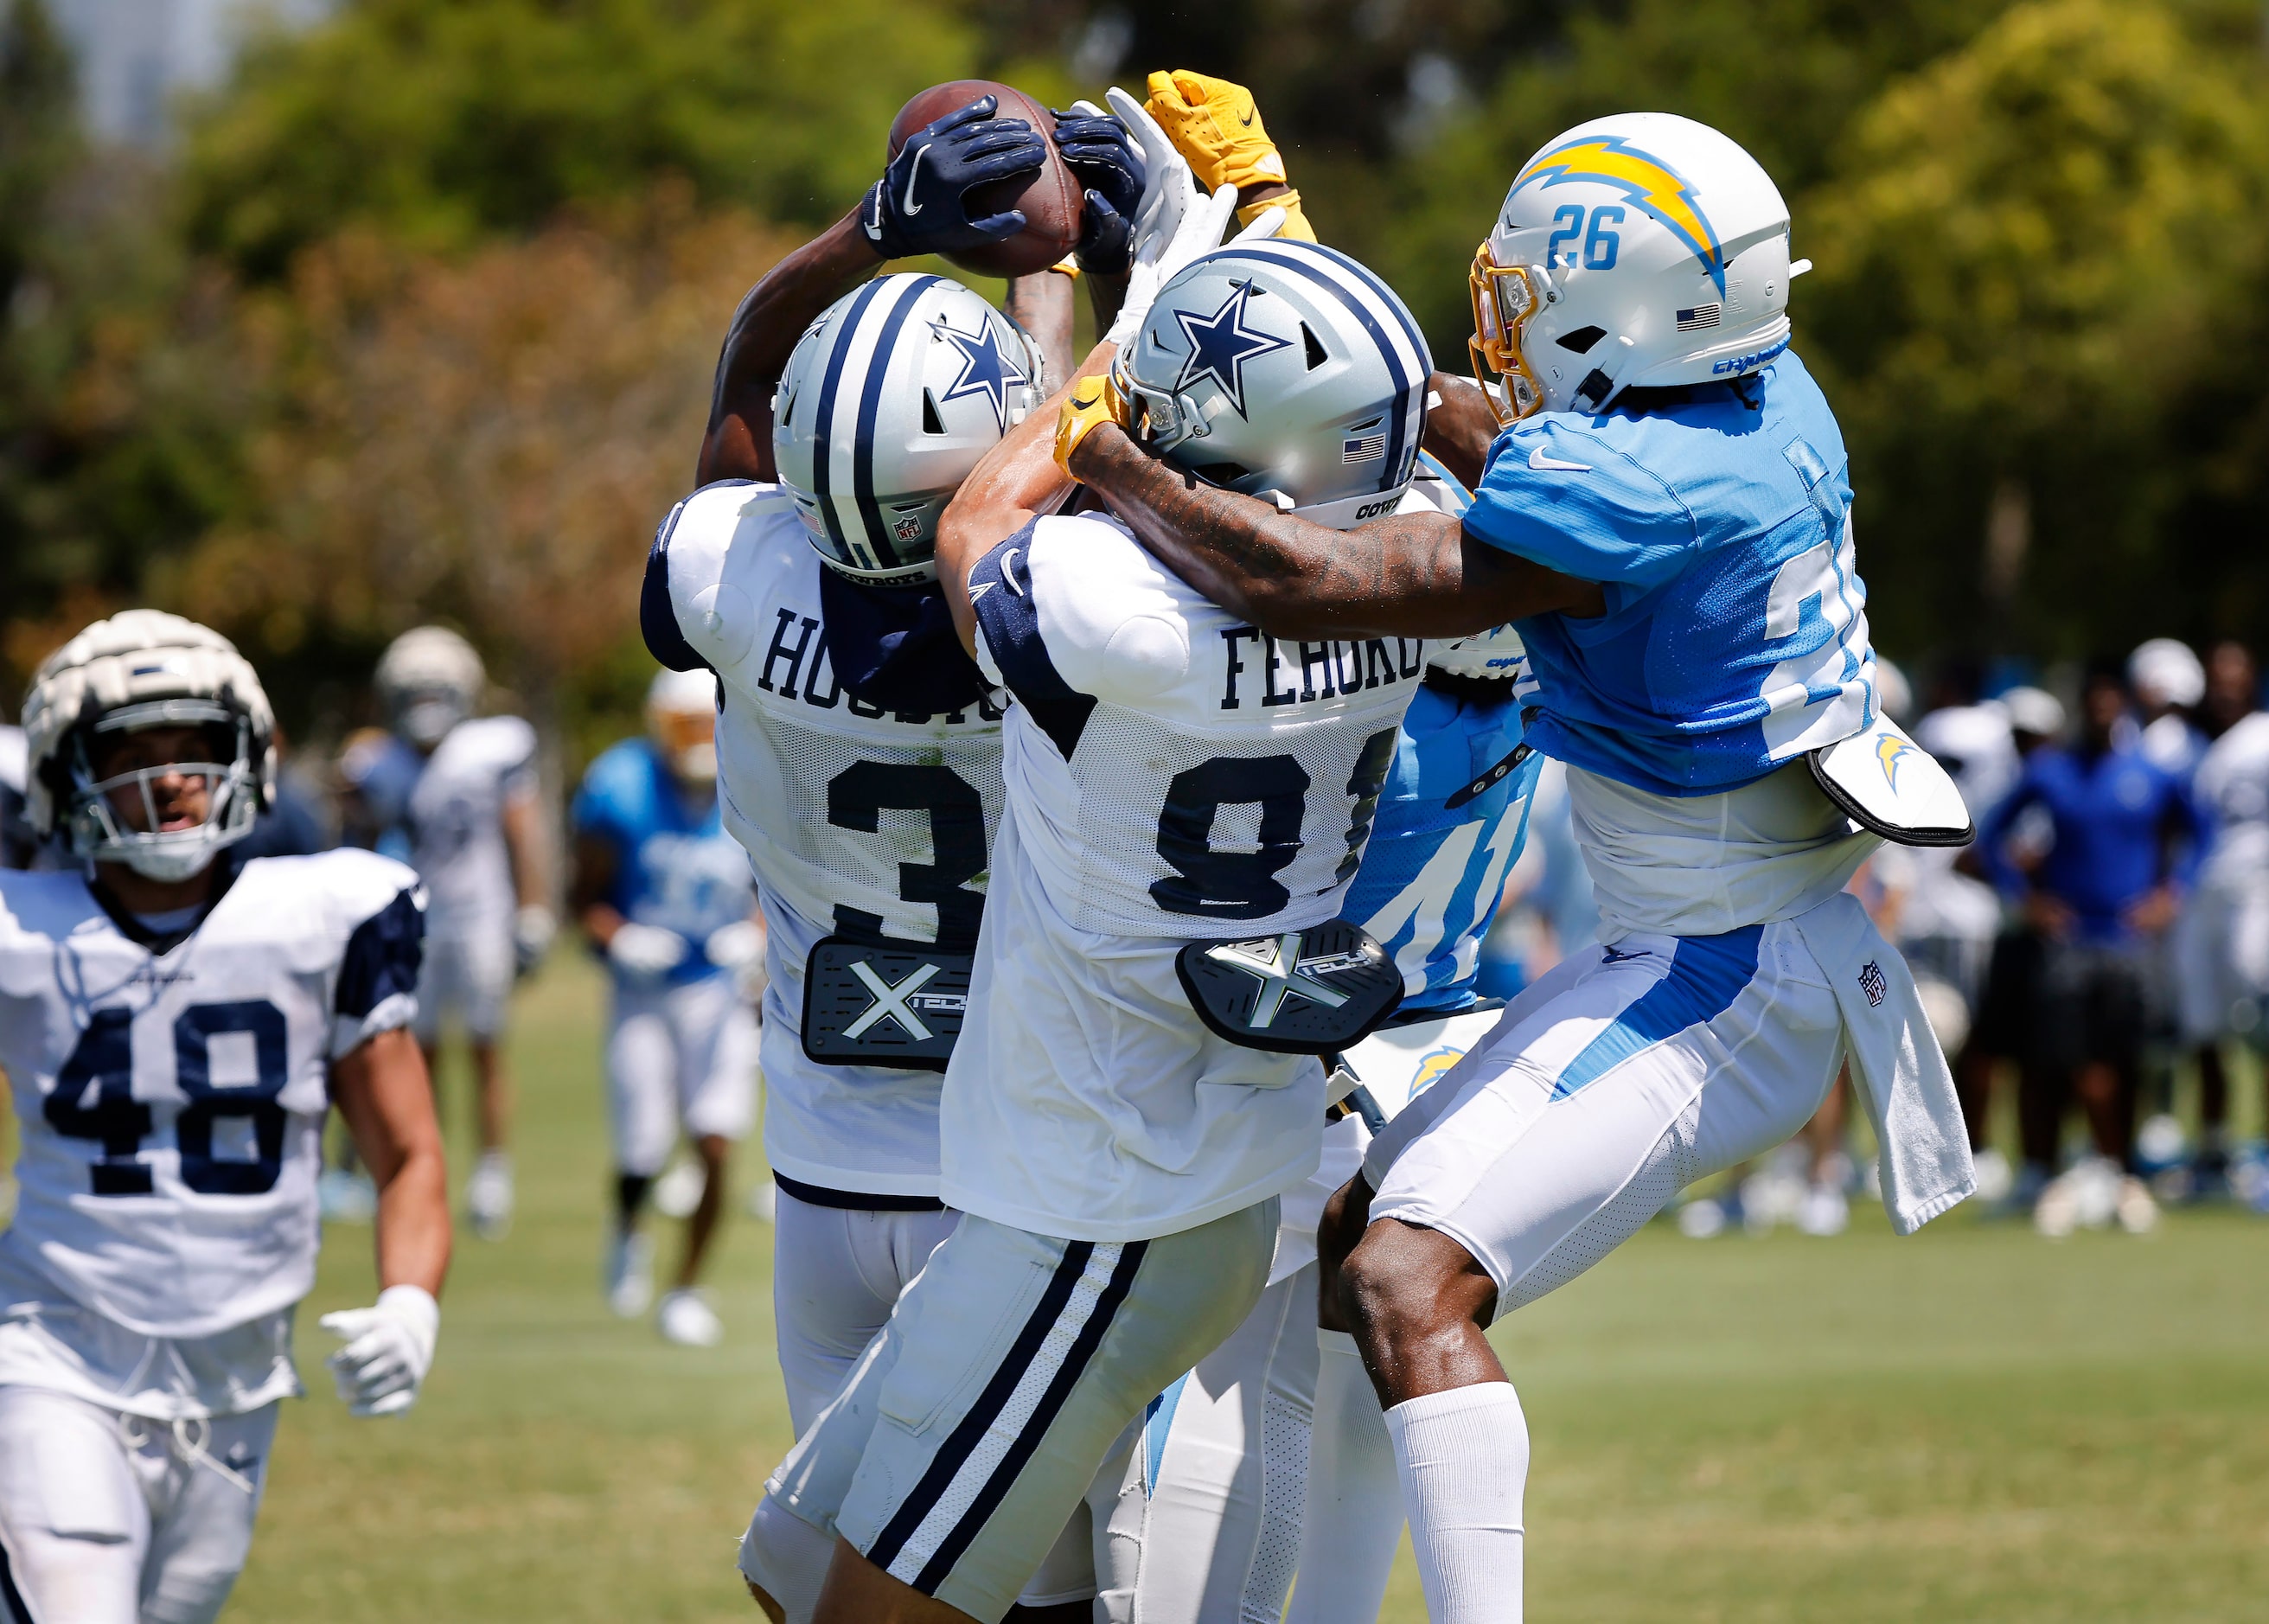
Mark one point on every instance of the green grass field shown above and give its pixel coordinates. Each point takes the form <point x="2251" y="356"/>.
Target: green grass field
<point x="1972" y="1424"/>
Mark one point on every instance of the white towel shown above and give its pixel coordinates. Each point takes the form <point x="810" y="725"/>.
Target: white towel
<point x="1896" y="1059"/>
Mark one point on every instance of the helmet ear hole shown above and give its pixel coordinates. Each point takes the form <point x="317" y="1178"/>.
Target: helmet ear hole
<point x="1582" y="339"/>
<point x="932" y="423"/>
<point x="1315" y="349"/>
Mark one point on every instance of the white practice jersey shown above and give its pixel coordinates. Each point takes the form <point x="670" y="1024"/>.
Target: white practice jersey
<point x="1172" y="775"/>
<point x="457" y="822"/>
<point x="172" y="1104"/>
<point x="2232" y="787"/>
<point x="860" y="821"/>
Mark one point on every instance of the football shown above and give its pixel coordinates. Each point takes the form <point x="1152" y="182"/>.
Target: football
<point x="1051" y="200"/>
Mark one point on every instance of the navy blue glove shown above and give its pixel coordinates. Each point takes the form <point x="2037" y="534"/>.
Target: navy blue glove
<point x="919" y="204"/>
<point x="1103" y="155"/>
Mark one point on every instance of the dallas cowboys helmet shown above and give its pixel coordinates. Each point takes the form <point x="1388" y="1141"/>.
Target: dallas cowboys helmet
<point x="139" y="669"/>
<point x="1633" y="251"/>
<point x="429" y="680"/>
<point x="1283" y="370"/>
<point x="890" y="397"/>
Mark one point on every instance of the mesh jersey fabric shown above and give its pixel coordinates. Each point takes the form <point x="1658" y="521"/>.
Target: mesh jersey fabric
<point x="171" y="1107"/>
<point x="1186" y="775"/>
<point x="1736" y="635"/>
<point x="674" y="866"/>
<point x="872" y="823"/>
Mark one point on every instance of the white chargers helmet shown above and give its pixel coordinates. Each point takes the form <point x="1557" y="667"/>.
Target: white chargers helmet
<point x="681" y="720"/>
<point x="429" y="680"/>
<point x="1632" y="251"/>
<point x="888" y="401"/>
<point x="1283" y="370"/>
<point x="138" y="670"/>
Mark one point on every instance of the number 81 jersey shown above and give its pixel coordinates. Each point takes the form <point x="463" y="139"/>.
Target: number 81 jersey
<point x="171" y="1104"/>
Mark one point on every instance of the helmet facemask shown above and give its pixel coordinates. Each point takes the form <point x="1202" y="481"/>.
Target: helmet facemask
<point x="99" y="833"/>
<point x="1505" y="299"/>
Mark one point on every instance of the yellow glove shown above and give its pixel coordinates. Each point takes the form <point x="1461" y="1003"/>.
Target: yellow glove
<point x="1213" y="124"/>
<point x="1091" y="402"/>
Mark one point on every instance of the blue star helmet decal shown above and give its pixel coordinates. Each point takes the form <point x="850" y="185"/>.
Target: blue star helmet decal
<point x="1221" y="345"/>
<point x="985" y="370"/>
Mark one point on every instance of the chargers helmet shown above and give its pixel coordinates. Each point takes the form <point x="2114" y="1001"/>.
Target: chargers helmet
<point x="681" y="720"/>
<point x="1284" y="370"/>
<point x="887" y="401"/>
<point x="1637" y="250"/>
<point x="145" y="669"/>
<point x="429" y="680"/>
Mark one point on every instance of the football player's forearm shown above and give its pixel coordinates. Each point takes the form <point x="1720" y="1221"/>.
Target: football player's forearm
<point x="523" y="836"/>
<point x="1414" y="575"/>
<point x="1460" y="431"/>
<point x="1012" y="482"/>
<point x="772" y="314"/>
<point x="381" y="1090"/>
<point x="1043" y="304"/>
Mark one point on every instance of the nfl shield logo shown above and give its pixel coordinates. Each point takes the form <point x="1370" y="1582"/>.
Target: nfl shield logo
<point x="1871" y="982"/>
<point x="907" y="529"/>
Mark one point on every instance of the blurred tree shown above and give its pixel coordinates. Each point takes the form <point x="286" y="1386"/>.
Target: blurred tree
<point x="440" y="121"/>
<point x="2035" y="251"/>
<point x="490" y="442"/>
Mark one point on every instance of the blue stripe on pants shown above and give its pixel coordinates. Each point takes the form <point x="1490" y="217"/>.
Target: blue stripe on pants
<point x="1707" y="973"/>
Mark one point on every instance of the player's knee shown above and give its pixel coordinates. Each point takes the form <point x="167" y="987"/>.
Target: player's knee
<point x="1403" y="1285"/>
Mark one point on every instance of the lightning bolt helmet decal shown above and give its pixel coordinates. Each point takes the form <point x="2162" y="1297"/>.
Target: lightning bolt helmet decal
<point x="1649" y="183"/>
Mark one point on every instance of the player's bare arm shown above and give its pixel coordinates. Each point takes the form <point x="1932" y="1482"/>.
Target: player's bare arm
<point x="1460" y="427"/>
<point x="1413" y="575"/>
<point x="381" y="1089"/>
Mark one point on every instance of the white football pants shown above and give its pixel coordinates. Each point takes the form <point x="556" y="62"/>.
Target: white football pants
<point x="107" y="1518"/>
<point x="1204" y="1524"/>
<point x="679" y="1055"/>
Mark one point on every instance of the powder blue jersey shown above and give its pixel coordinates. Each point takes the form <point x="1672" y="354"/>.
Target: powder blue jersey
<point x="1736" y="635"/>
<point x="674" y="866"/>
<point x="1433" y="872"/>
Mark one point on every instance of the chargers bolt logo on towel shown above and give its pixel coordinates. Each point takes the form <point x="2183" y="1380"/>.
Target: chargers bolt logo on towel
<point x="1649" y="182"/>
<point x="1888" y="750"/>
<point x="1313" y="992"/>
<point x="898" y="1005"/>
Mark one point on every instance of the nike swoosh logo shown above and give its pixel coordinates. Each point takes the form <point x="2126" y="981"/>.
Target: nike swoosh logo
<point x="1543" y="464"/>
<point x="1248" y="120"/>
<point x="910" y="206"/>
<point x="1610" y="955"/>
<point x="1006" y="580"/>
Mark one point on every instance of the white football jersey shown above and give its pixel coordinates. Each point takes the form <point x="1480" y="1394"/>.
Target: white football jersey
<point x="1172" y="775"/>
<point x="862" y="822"/>
<point x="457" y="822"/>
<point x="171" y="1103"/>
<point x="2232" y="785"/>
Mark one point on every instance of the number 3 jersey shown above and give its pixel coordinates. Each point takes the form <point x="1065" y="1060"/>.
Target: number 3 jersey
<point x="1172" y="774"/>
<point x="171" y="1103"/>
<point x="859" y="821"/>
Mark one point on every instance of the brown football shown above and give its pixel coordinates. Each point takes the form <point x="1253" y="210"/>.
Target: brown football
<point x="1051" y="200"/>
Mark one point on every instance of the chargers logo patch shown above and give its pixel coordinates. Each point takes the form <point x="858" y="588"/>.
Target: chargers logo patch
<point x="1889" y="751"/>
<point x="1433" y="1068"/>
<point x="1649" y="182"/>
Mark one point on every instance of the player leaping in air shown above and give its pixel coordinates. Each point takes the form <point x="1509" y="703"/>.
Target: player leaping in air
<point x="175" y="1026"/>
<point x="1662" y="508"/>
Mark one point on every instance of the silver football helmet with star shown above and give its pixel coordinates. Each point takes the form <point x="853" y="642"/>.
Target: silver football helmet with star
<point x="1285" y="371"/>
<point x="889" y="400"/>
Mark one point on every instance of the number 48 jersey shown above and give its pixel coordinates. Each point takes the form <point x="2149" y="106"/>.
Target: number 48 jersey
<point x="171" y="1103"/>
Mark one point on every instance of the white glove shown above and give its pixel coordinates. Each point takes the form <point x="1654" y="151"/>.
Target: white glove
<point x="532" y="930"/>
<point x="647" y="950"/>
<point x="390" y="1347"/>
<point x="1175" y="223"/>
<point x="735" y="946"/>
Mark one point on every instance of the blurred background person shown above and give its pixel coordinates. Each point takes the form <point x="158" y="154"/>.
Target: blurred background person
<point x="2166" y="681"/>
<point x="299" y="820"/>
<point x="2106" y="891"/>
<point x="665" y="896"/>
<point x="2221" y="942"/>
<point x="461" y="791"/>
